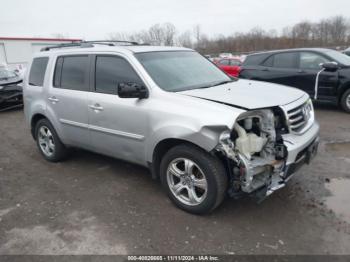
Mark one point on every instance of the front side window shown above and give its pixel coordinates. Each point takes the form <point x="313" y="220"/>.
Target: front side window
<point x="310" y="60"/>
<point x="71" y="72"/>
<point x="285" y="60"/>
<point x="37" y="71"/>
<point x="181" y="70"/>
<point x="112" y="70"/>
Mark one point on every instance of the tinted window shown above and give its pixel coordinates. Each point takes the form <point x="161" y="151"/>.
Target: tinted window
<point x="269" y="62"/>
<point x="70" y="72"/>
<point x="224" y="62"/>
<point x="58" y="70"/>
<point x="310" y="60"/>
<point x="254" y="60"/>
<point x="112" y="70"/>
<point x="285" y="60"/>
<point x="37" y="71"/>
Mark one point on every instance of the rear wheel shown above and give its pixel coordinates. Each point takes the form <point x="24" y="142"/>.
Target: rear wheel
<point x="194" y="180"/>
<point x="345" y="101"/>
<point x="49" y="144"/>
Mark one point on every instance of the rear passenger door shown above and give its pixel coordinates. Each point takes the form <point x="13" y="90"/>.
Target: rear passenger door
<point x="280" y="68"/>
<point x="118" y="126"/>
<point x="67" y="99"/>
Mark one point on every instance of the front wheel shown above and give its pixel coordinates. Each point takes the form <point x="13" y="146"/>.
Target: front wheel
<point x="345" y="101"/>
<point x="194" y="180"/>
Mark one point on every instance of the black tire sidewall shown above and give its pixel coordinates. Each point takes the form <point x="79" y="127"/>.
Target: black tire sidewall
<point x="210" y="167"/>
<point x="343" y="101"/>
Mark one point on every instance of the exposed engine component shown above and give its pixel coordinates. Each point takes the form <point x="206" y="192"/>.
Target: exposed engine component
<point x="255" y="151"/>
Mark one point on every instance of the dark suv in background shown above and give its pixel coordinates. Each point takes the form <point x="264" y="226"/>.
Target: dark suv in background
<point x="323" y="73"/>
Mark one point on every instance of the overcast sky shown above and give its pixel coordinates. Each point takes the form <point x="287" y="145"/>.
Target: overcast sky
<point x="96" y="19"/>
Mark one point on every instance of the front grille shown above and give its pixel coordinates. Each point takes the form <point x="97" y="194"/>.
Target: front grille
<point x="298" y="117"/>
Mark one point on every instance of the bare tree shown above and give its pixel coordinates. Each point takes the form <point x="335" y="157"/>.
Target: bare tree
<point x="331" y="32"/>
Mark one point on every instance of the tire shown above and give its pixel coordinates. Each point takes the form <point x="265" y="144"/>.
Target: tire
<point x="345" y="101"/>
<point x="51" y="147"/>
<point x="204" y="189"/>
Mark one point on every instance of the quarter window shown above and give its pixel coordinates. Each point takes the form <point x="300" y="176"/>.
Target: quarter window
<point x="71" y="73"/>
<point x="37" y="71"/>
<point x="310" y="60"/>
<point x="112" y="70"/>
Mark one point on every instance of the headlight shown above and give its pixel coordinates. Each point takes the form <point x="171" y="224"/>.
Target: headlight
<point x="224" y="136"/>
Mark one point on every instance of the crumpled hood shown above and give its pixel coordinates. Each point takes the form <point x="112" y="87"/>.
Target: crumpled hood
<point x="248" y="94"/>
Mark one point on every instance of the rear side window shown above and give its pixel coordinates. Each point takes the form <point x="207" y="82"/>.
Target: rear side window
<point x="252" y="60"/>
<point x="285" y="60"/>
<point x="71" y="72"/>
<point x="112" y="70"/>
<point x="37" y="71"/>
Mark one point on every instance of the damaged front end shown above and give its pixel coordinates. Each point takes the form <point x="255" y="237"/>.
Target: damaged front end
<point x="255" y="153"/>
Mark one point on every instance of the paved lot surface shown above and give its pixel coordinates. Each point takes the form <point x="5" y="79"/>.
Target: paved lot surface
<point x="92" y="204"/>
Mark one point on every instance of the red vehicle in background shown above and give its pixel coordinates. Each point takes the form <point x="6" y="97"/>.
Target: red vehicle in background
<point x="231" y="66"/>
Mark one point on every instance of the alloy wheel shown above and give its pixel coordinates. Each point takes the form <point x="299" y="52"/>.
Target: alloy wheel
<point x="46" y="141"/>
<point x="187" y="181"/>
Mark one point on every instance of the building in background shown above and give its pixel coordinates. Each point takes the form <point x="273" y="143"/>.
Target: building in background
<point x="15" y="52"/>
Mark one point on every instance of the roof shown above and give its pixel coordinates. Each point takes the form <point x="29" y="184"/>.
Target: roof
<point x="40" y="39"/>
<point x="130" y="48"/>
<point x="291" y="50"/>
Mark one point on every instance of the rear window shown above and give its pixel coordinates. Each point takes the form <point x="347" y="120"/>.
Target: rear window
<point x="71" y="72"/>
<point x="37" y="71"/>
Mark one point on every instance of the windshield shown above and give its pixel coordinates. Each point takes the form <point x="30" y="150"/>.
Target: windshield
<point x="7" y="74"/>
<point x="181" y="70"/>
<point x="339" y="57"/>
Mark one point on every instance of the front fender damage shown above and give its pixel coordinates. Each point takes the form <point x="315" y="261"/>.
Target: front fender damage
<point x="255" y="155"/>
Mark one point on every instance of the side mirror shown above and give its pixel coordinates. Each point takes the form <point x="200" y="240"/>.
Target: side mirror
<point x="330" y="66"/>
<point x="132" y="90"/>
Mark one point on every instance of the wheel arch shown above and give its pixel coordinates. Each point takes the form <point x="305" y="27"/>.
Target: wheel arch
<point x="34" y="120"/>
<point x="162" y="148"/>
<point x="345" y="87"/>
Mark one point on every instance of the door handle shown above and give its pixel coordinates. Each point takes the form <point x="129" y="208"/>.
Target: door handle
<point x="96" y="107"/>
<point x="265" y="69"/>
<point x="53" y="99"/>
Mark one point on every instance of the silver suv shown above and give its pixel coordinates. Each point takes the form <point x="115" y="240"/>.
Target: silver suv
<point x="202" y="133"/>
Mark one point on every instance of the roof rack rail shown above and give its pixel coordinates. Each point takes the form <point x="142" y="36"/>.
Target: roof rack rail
<point x="84" y="44"/>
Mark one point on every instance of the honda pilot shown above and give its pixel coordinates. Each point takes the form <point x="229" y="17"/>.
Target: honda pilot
<point x="204" y="135"/>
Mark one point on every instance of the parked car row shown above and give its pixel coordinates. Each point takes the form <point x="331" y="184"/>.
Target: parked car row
<point x="323" y="73"/>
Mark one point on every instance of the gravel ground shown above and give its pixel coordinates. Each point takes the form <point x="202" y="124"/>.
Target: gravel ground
<point x="91" y="204"/>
